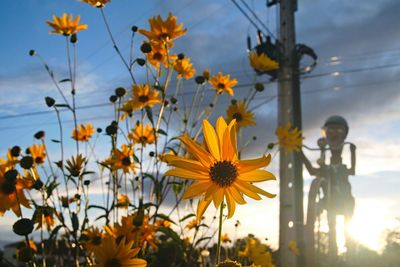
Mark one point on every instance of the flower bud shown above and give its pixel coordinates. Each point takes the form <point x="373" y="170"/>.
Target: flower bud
<point x="15" y="151"/>
<point x="49" y="101"/>
<point x="26" y="162"/>
<point x="39" y="135"/>
<point x="145" y="48"/>
<point x="140" y="61"/>
<point x="120" y="91"/>
<point x="23" y="227"/>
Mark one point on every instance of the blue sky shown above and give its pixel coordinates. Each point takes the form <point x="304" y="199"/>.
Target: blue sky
<point x="363" y="35"/>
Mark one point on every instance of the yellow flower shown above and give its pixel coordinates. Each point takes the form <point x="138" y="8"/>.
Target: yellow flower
<point x="123" y="201"/>
<point x="38" y="153"/>
<point x="122" y="159"/>
<point x="44" y="215"/>
<point x="93" y="237"/>
<point x="257" y="253"/>
<point x="66" y="25"/>
<point x="217" y="171"/>
<point x="261" y="62"/>
<point x="192" y="224"/>
<point x="184" y="68"/>
<point x="109" y="253"/>
<point x="293" y="247"/>
<point x="225" y="238"/>
<point x="289" y="138"/>
<point x="159" y="55"/>
<point x="83" y="132"/>
<point x="238" y="111"/>
<point x="96" y="3"/>
<point x="142" y="135"/>
<point x="223" y="83"/>
<point x="11" y="191"/>
<point x="164" y="31"/>
<point x="143" y="96"/>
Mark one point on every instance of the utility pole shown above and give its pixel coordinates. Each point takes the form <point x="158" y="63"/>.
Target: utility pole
<point x="290" y="166"/>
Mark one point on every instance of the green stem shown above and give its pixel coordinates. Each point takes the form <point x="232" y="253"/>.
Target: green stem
<point x="219" y="233"/>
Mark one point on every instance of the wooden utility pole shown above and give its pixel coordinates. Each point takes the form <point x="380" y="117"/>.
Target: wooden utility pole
<point x="290" y="166"/>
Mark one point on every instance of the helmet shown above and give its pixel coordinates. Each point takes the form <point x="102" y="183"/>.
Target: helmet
<point x="337" y="120"/>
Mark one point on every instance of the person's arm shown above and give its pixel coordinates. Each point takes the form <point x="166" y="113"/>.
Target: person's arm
<point x="311" y="170"/>
<point x="352" y="170"/>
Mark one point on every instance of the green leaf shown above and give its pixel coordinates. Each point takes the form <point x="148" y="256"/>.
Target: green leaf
<point x="161" y="131"/>
<point x="170" y="233"/>
<point x="164" y="217"/>
<point x="149" y="114"/>
<point x="187" y="217"/>
<point x="55" y="141"/>
<point x="202" y="239"/>
<point x="50" y="188"/>
<point x="64" y="80"/>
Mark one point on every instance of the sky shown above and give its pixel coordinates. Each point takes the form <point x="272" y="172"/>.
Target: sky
<point x="361" y="85"/>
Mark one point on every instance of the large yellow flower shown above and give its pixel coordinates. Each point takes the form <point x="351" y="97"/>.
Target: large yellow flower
<point x="109" y="253"/>
<point x="258" y="253"/>
<point x="96" y="3"/>
<point x="238" y="111"/>
<point x="289" y="138"/>
<point x="142" y="135"/>
<point x="93" y="238"/>
<point x="38" y="153"/>
<point x="184" y="68"/>
<point x="11" y="190"/>
<point x="66" y="25"/>
<point x="223" y="83"/>
<point x="217" y="171"/>
<point x="164" y="31"/>
<point x="83" y="133"/>
<point x="261" y="62"/>
<point x="143" y="96"/>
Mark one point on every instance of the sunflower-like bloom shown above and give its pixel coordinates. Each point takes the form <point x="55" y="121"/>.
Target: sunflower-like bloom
<point x="134" y="227"/>
<point x="142" y="135"/>
<point x="143" y="96"/>
<point x="217" y="171"/>
<point x="258" y="253"/>
<point x="83" y="133"/>
<point x="123" y="201"/>
<point x="75" y="165"/>
<point x="261" y="62"/>
<point x="225" y="238"/>
<point x="159" y="55"/>
<point x="92" y="238"/>
<point x="223" y="83"/>
<point x="122" y="159"/>
<point x="96" y="3"/>
<point x="11" y="191"/>
<point x="164" y="31"/>
<point x="122" y="254"/>
<point x="43" y="215"/>
<point x="66" y="25"/>
<point x="289" y="138"/>
<point x="239" y="112"/>
<point x="38" y="153"/>
<point x="184" y="68"/>
<point x="192" y="224"/>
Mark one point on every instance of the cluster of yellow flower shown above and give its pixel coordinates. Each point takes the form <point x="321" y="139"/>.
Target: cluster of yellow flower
<point x="212" y="169"/>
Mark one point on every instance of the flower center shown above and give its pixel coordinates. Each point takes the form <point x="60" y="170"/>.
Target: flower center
<point x="126" y="161"/>
<point x="237" y="116"/>
<point x="223" y="173"/>
<point x="164" y="36"/>
<point x="221" y="86"/>
<point x="143" y="139"/>
<point x="143" y="98"/>
<point x="8" y="187"/>
<point x="157" y="56"/>
<point x="113" y="263"/>
<point x="96" y="240"/>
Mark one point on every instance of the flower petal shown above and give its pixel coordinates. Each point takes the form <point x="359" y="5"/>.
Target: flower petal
<point x="187" y="164"/>
<point x="218" y="196"/>
<point x="211" y="139"/>
<point x="256" y="176"/>
<point x="196" y="150"/>
<point x="237" y="196"/>
<point x="186" y="174"/>
<point x="253" y="164"/>
<point x="231" y="204"/>
<point x="242" y="187"/>
<point x="196" y="189"/>
<point x="201" y="207"/>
